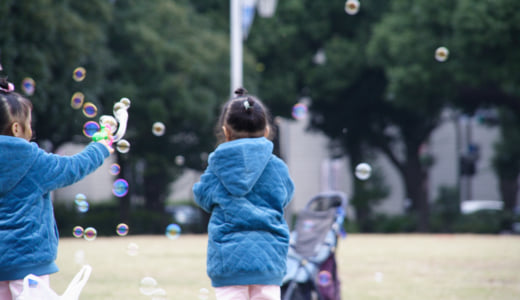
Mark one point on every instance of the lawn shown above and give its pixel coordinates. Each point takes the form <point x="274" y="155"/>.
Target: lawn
<point x="401" y="267"/>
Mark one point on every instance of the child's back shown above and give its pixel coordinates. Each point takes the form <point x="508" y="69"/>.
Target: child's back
<point x="245" y="188"/>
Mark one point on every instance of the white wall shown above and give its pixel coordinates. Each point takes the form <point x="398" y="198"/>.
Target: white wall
<point x="97" y="186"/>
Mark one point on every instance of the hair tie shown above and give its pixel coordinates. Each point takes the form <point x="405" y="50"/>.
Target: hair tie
<point x="10" y="88"/>
<point x="247" y="105"/>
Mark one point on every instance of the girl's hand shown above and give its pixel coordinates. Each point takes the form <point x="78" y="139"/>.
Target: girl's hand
<point x="107" y="144"/>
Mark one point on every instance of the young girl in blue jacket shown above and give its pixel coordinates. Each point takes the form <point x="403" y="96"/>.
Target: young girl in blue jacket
<point x="28" y="232"/>
<point x="245" y="188"/>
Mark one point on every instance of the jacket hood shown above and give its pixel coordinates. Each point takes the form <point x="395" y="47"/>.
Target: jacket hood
<point x="239" y="163"/>
<point x="17" y="156"/>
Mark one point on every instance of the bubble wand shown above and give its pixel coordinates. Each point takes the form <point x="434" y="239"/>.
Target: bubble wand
<point x="113" y="129"/>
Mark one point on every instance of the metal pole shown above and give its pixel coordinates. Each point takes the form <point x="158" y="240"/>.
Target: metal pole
<point x="236" y="45"/>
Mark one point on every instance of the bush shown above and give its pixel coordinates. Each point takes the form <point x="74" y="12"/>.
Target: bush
<point x="105" y="217"/>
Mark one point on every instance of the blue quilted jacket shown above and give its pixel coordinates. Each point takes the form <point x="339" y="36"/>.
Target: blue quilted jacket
<point x="28" y="233"/>
<point x="245" y="188"/>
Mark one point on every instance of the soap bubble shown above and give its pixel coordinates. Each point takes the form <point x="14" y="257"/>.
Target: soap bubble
<point x="120" y="188"/>
<point x="81" y="203"/>
<point x="352" y="7"/>
<point x="299" y="111"/>
<point x="123" y="146"/>
<point x="79" y="74"/>
<point x="173" y="231"/>
<point x="90" y="109"/>
<point x="108" y="121"/>
<point x="363" y="171"/>
<point x="158" y="128"/>
<point x="158" y="294"/>
<point x="90" y="128"/>
<point x="203" y="294"/>
<point x="122" y="229"/>
<point x="324" y="278"/>
<point x="77" y="100"/>
<point x="78" y="231"/>
<point x="132" y="249"/>
<point x="90" y="234"/>
<point x="179" y="160"/>
<point x="125" y="101"/>
<point x="79" y="257"/>
<point x="147" y="286"/>
<point x="28" y="86"/>
<point x="115" y="169"/>
<point x="378" y="277"/>
<point x="441" y="54"/>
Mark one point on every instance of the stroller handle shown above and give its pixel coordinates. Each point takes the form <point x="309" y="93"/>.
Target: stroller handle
<point x="327" y="200"/>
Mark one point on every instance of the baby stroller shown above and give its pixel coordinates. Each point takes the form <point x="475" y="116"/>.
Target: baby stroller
<point x="311" y="261"/>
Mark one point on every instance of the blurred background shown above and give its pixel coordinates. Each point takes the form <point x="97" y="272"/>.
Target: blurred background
<point x="424" y="93"/>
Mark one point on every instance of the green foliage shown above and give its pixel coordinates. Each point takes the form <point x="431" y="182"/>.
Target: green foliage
<point x="168" y="60"/>
<point x="445" y="209"/>
<point x="105" y="218"/>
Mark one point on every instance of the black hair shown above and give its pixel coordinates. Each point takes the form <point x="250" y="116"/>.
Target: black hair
<point x="244" y="116"/>
<point x="13" y="108"/>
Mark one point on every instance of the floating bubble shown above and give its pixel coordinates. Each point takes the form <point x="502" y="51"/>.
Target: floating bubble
<point x="203" y="294"/>
<point x="125" y="101"/>
<point x="179" y="160"/>
<point x="158" y="294"/>
<point x="77" y="100"/>
<point x="352" y="7"/>
<point x="363" y="171"/>
<point x="82" y="206"/>
<point x="90" y="233"/>
<point x="204" y="156"/>
<point x="308" y="225"/>
<point x="120" y="188"/>
<point x="123" y="146"/>
<point x="89" y="110"/>
<point x="80" y="197"/>
<point x="132" y="249"/>
<point x="81" y="203"/>
<point x="173" y="231"/>
<point x="158" y="128"/>
<point x="378" y="277"/>
<point x="147" y="286"/>
<point x="122" y="229"/>
<point x="28" y="86"/>
<point x="299" y="111"/>
<point x="90" y="128"/>
<point x="79" y="257"/>
<point x="108" y="122"/>
<point x="78" y="231"/>
<point x="324" y="278"/>
<point x="79" y="74"/>
<point x="115" y="169"/>
<point x="441" y="54"/>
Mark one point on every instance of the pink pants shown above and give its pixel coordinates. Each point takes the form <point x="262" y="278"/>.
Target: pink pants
<point x="248" y="292"/>
<point x="9" y="290"/>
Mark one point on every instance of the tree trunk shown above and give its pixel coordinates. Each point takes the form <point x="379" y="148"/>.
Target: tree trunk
<point x="416" y="185"/>
<point x="155" y="186"/>
<point x="509" y="194"/>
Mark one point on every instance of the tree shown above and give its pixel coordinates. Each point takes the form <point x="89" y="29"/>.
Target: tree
<point x="46" y="41"/>
<point x="486" y="39"/>
<point x="162" y="55"/>
<point x="174" y="68"/>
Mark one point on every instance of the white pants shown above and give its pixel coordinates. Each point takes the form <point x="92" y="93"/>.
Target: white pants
<point x="9" y="290"/>
<point x="248" y="292"/>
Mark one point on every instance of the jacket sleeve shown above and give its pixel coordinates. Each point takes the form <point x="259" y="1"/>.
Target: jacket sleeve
<point x="58" y="171"/>
<point x="203" y="190"/>
<point x="289" y="184"/>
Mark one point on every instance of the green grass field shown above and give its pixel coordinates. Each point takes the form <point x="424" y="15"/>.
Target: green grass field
<point x="400" y="267"/>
